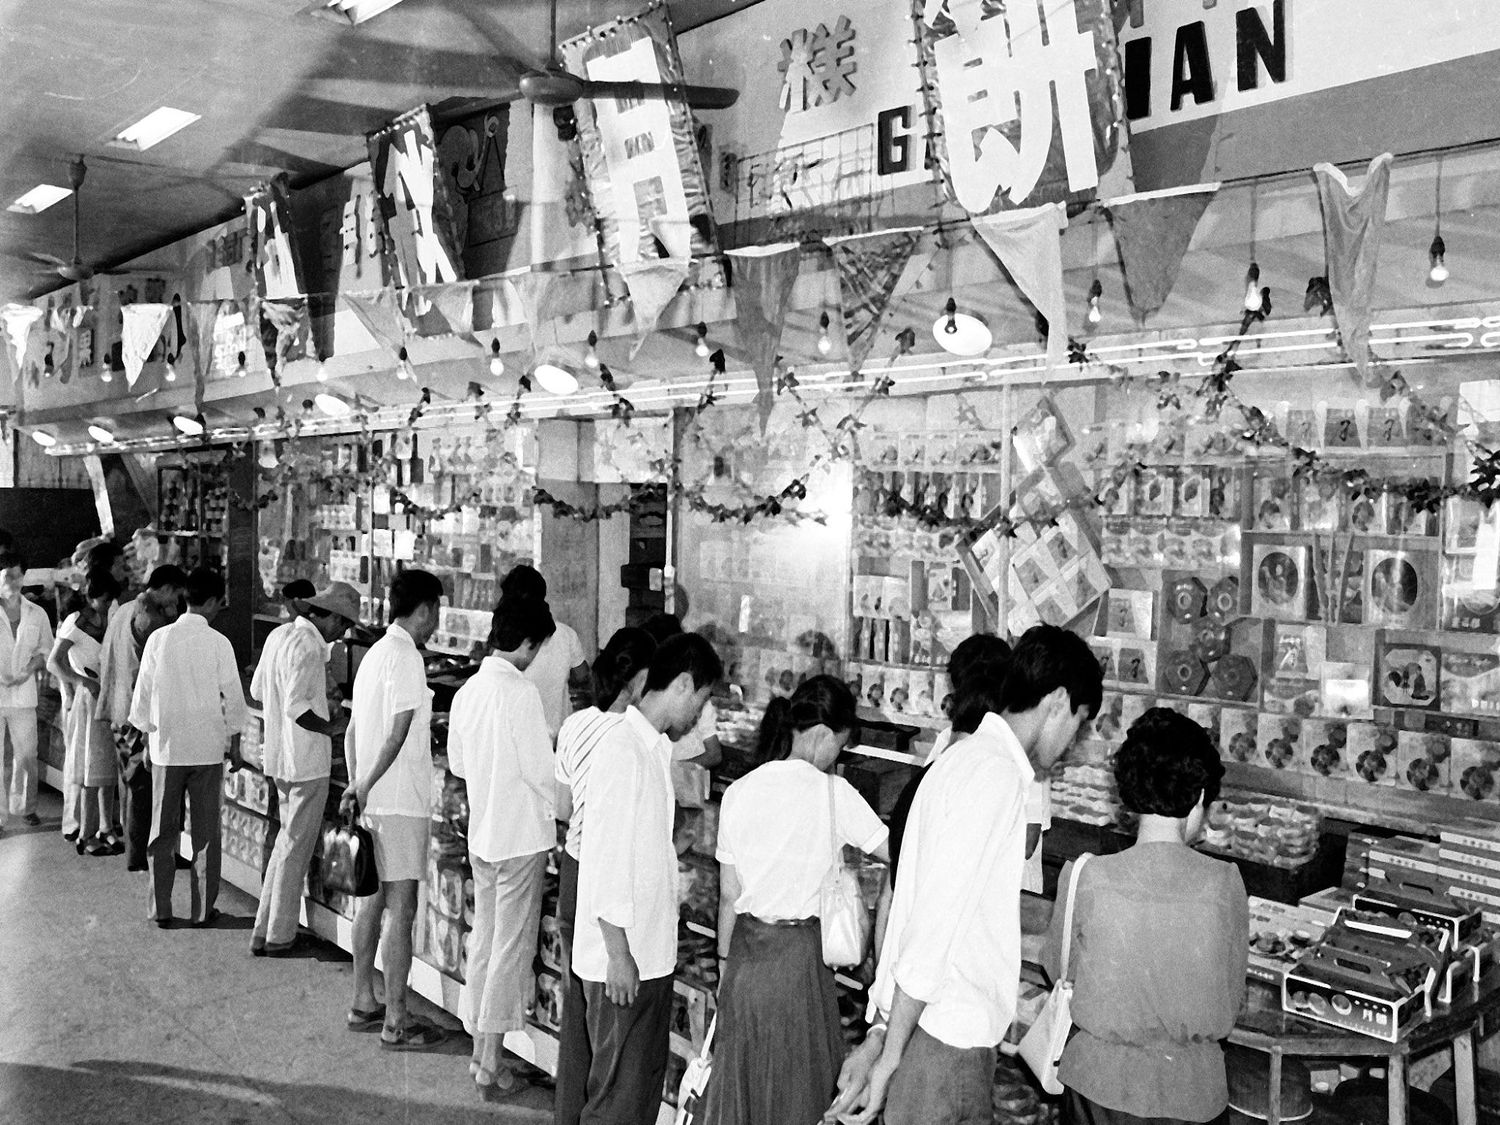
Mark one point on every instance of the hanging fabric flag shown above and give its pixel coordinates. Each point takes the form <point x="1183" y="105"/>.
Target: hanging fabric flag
<point x="763" y="280"/>
<point x="1152" y="232"/>
<point x="380" y="313"/>
<point x="203" y="317"/>
<point x="1353" y="223"/>
<point x="450" y="309"/>
<point x="1029" y="246"/>
<point x="289" y="330"/>
<point x="138" y="335"/>
<point x="870" y="266"/>
<point x="534" y="290"/>
<point x="652" y="283"/>
<point x="19" y="320"/>
<point x="273" y="258"/>
<point x="59" y="342"/>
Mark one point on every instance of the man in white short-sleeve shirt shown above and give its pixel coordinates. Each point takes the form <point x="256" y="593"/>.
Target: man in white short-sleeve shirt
<point x="389" y="751"/>
<point x="25" y="641"/>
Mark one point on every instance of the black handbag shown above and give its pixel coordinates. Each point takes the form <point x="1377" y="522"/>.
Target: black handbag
<point x="348" y="863"/>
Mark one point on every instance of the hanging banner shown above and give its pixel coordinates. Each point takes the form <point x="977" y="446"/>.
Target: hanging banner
<point x="143" y="323"/>
<point x="415" y="209"/>
<point x="1353" y="223"/>
<point x="870" y="266"/>
<point x="1152" y="232"/>
<point x="1029" y="246"/>
<point x="285" y="329"/>
<point x="992" y="77"/>
<point x="19" y="322"/>
<point x="763" y="282"/>
<point x="640" y="156"/>
<point x="652" y="285"/>
<point x="273" y="257"/>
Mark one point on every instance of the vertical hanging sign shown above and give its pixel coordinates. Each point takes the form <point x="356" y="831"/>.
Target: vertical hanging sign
<point x="273" y="258"/>
<point x="415" y="207"/>
<point x="640" y="155"/>
<point x="1026" y="109"/>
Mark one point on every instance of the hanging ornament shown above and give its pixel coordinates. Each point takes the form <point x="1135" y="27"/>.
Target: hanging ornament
<point x="1096" y="291"/>
<point x="591" y="356"/>
<point x="497" y="365"/>
<point x="404" y="369"/>
<point x="1438" y="273"/>
<point x="825" y="342"/>
<point x="701" y="348"/>
<point x="1252" y="288"/>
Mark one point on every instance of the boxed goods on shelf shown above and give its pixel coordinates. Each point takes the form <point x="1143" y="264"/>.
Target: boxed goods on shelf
<point x="1268" y="832"/>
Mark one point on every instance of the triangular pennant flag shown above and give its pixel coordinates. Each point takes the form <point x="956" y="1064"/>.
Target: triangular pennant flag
<point x="1353" y="223"/>
<point x="652" y="284"/>
<point x="18" y="321"/>
<point x="535" y="290"/>
<point x="203" y="316"/>
<point x="1152" y="232"/>
<point x="869" y="267"/>
<point x="762" y="291"/>
<point x="380" y="313"/>
<point x="141" y="328"/>
<point x="293" y="327"/>
<point x="1029" y="246"/>
<point x="60" y="342"/>
<point x="450" y="309"/>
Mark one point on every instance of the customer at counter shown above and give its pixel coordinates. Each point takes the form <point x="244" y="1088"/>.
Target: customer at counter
<point x="560" y="666"/>
<point x="388" y="747"/>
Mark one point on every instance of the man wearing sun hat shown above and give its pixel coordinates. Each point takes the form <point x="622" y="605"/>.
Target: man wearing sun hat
<point x="292" y="686"/>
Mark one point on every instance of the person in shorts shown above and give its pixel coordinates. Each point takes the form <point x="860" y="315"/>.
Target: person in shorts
<point x="389" y="751"/>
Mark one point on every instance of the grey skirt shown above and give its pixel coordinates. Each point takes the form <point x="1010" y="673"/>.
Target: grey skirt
<point x="778" y="1045"/>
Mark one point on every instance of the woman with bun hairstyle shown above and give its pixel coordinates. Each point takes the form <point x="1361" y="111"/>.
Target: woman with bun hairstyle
<point x="1159" y="944"/>
<point x="559" y="668"/>
<point x="619" y="675"/>
<point x="778" y="1044"/>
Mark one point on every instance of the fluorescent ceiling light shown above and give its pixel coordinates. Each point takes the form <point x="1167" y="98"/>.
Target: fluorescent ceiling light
<point x="188" y="427"/>
<point x="348" y="11"/>
<point x="43" y="438"/>
<point x="39" y="198"/>
<point x="101" y="435"/>
<point x="154" y="128"/>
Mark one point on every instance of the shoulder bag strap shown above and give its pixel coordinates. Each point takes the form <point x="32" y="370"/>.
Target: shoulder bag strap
<point x="1067" y="941"/>
<point x="833" y="827"/>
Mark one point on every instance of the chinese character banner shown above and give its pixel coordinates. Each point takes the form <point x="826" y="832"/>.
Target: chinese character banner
<point x="273" y="255"/>
<point x="1026" y="105"/>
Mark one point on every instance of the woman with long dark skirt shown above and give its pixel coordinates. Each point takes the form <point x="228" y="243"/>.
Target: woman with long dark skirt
<point x="778" y="1045"/>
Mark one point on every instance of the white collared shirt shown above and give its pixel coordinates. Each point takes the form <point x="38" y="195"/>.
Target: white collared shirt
<point x="392" y="678"/>
<point x="627" y="872"/>
<point x="499" y="744"/>
<point x="291" y="680"/>
<point x="32" y="635"/>
<point x="576" y="741"/>
<point x="549" y="671"/>
<point x="954" y="936"/>
<point x="188" y="696"/>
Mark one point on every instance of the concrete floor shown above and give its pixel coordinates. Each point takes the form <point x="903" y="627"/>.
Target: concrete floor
<point x="106" y="1020"/>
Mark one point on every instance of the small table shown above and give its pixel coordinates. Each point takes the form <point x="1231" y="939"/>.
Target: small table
<point x="1263" y="1026"/>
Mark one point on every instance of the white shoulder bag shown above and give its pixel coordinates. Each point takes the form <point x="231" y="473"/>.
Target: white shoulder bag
<point x="694" y="1082"/>
<point x="841" y="908"/>
<point x="1042" y="1046"/>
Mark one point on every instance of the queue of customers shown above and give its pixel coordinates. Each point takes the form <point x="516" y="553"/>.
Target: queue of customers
<point x="1158" y="932"/>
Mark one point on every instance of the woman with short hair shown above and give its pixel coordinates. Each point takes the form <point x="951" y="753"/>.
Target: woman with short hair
<point x="1159" y="943"/>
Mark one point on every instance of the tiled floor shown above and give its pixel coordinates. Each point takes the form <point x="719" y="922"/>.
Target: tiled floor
<point x="106" y="1020"/>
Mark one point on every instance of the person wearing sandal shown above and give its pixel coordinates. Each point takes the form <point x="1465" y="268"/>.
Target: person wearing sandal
<point x="388" y="747"/>
<point x="90" y="770"/>
<point x="25" y="641"/>
<point x="500" y="745"/>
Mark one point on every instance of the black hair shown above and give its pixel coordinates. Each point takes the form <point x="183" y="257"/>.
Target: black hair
<point x="977" y="671"/>
<point x="411" y="590"/>
<point x="688" y="653"/>
<point x="1167" y="764"/>
<point x="820" y="700"/>
<point x="663" y="626"/>
<point x="1047" y="658"/>
<point x="101" y="584"/>
<point x="204" y="585"/>
<point x="619" y="662"/>
<point x="519" y="620"/>
<point x="524" y="581"/>
<point x="298" y="589"/>
<point x="11" y="556"/>
<point x="167" y="576"/>
<point x="102" y="556"/>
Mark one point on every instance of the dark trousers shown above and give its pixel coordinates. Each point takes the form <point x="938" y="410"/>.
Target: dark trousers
<point x="612" y="1060"/>
<point x="203" y="786"/>
<point x="1079" y="1110"/>
<point x="137" y="810"/>
<point x="941" y="1085"/>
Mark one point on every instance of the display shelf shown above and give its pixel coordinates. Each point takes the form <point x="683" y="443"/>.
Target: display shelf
<point x="917" y="722"/>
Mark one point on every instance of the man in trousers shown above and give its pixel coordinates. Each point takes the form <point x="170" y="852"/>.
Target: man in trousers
<point x="25" y="641"/>
<point x="291" y="683"/>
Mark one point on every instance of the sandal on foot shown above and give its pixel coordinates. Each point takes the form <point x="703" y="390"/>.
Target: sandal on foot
<point x="495" y="1090"/>
<point x="372" y="1020"/>
<point x="415" y="1036"/>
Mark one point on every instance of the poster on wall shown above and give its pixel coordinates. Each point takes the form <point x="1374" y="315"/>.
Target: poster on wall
<point x="640" y="156"/>
<point x="1026" y="109"/>
<point x="415" y="208"/>
<point x="273" y="257"/>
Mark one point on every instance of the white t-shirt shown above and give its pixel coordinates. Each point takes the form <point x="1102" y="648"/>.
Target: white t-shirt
<point x="691" y="783"/>
<point x="391" y="679"/>
<point x="560" y="654"/>
<point x="580" y="733"/>
<point x="773" y="827"/>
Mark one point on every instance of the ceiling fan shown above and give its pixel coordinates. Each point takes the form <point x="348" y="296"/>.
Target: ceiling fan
<point x="75" y="270"/>
<point x="552" y="85"/>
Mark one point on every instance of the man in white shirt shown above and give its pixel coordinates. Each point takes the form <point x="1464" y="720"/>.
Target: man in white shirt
<point x="189" y="702"/>
<point x="25" y="641"/>
<point x="949" y="970"/>
<point x="291" y="682"/>
<point x="612" y="1053"/>
<point x="498" y="743"/>
<point x="388" y="747"/>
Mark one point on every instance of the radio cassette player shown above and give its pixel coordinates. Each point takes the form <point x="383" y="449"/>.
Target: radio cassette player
<point x="1407" y="898"/>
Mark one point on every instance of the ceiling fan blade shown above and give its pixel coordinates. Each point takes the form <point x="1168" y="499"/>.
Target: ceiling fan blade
<point x="698" y="97"/>
<point x="51" y="261"/>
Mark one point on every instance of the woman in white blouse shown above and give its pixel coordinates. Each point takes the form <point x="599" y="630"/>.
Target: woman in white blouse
<point x="778" y="1045"/>
<point x="90" y="768"/>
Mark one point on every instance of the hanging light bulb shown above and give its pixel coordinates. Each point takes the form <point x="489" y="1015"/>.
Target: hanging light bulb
<point x="106" y="373"/>
<point x="267" y="459"/>
<point x="240" y="370"/>
<point x="1096" y="291"/>
<point x="170" y="374"/>
<point x="555" y="379"/>
<point x="332" y="405"/>
<point x="321" y="370"/>
<point x="43" y="438"/>
<point x="701" y="348"/>
<point x="1439" y="271"/>
<point x="591" y="357"/>
<point x="1252" y="288"/>
<point x="825" y="343"/>
<point x="497" y="365"/>
<point x="961" y="333"/>
<point x="404" y="368"/>
<point x="188" y="427"/>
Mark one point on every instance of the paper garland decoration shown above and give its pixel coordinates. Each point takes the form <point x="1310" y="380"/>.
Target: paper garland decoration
<point x="142" y="328"/>
<point x="1152" y="232"/>
<point x="652" y="284"/>
<point x="869" y="268"/>
<point x="18" y="321"/>
<point x="1353" y="223"/>
<point x="763" y="284"/>
<point x="1029" y="245"/>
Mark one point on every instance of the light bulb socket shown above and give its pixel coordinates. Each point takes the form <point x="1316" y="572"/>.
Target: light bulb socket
<point x="1438" y="248"/>
<point x="1096" y="290"/>
<point x="950" y="310"/>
